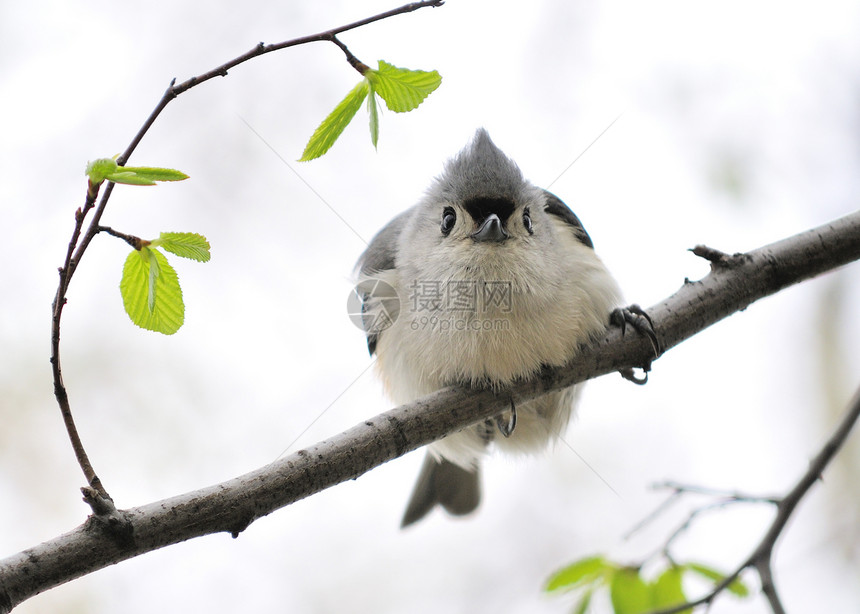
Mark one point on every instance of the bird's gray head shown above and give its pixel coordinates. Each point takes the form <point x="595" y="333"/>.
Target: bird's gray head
<point x="481" y="217"/>
<point x="480" y="172"/>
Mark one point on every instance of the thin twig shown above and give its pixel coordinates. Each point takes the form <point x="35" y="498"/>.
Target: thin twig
<point x="653" y="515"/>
<point x="715" y="492"/>
<point x="666" y="549"/>
<point x="762" y="556"/>
<point x="357" y="64"/>
<point x="135" y="242"/>
<point x="678" y="490"/>
<point x="81" y="239"/>
<point x="59" y="387"/>
<point x="261" y="49"/>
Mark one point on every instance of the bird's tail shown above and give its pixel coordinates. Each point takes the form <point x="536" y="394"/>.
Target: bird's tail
<point x="456" y="489"/>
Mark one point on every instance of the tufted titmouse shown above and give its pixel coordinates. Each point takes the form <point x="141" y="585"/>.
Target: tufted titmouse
<point x="487" y="279"/>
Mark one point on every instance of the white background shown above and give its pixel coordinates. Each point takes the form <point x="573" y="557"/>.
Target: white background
<point x="738" y="126"/>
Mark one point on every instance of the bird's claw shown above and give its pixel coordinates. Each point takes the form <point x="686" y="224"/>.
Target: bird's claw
<point x="630" y="375"/>
<point x="506" y="422"/>
<point x="639" y="319"/>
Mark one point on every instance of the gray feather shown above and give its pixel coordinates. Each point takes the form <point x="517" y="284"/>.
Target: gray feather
<point x="480" y="171"/>
<point x="381" y="253"/>
<point x="441" y="482"/>
<point x="554" y="206"/>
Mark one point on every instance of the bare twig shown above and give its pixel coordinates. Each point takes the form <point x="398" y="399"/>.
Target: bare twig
<point x="762" y="556"/>
<point x="722" y="500"/>
<point x="231" y="506"/>
<point x="81" y="239"/>
<point x="60" y="392"/>
<point x="726" y="497"/>
<point x="734" y="495"/>
<point x="261" y="49"/>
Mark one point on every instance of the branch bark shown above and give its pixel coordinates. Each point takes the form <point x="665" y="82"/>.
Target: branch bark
<point x="733" y="284"/>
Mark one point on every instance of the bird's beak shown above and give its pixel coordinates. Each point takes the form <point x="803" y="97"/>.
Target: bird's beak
<point x="490" y="230"/>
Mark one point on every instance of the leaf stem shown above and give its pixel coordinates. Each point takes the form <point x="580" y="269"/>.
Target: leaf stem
<point x="357" y="64"/>
<point x="135" y="242"/>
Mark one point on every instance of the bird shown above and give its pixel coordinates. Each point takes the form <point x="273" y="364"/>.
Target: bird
<point x="485" y="281"/>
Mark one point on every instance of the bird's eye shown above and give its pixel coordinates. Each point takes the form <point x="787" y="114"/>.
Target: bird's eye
<point x="527" y="221"/>
<point x="449" y="216"/>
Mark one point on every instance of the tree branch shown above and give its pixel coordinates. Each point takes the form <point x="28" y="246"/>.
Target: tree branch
<point x="761" y="558"/>
<point x="96" y="494"/>
<point x="261" y="49"/>
<point x="732" y="285"/>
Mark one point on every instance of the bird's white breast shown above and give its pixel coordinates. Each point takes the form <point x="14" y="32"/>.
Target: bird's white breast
<point x="491" y="325"/>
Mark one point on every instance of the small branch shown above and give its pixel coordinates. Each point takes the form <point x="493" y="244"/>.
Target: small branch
<point x="726" y="498"/>
<point x="653" y="515"/>
<point x="59" y="387"/>
<point x="261" y="49"/>
<point x="762" y="556"/>
<point x="715" y="492"/>
<point x="714" y="256"/>
<point x="80" y="240"/>
<point x="135" y="242"/>
<point x="357" y="64"/>
<point x="693" y="515"/>
<point x="765" y="573"/>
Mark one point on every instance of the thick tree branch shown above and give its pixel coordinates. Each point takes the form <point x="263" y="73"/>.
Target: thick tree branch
<point x="733" y="284"/>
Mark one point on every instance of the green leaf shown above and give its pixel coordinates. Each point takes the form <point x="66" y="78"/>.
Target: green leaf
<point x="98" y="170"/>
<point x="185" y="244"/>
<point x="667" y="591"/>
<point x="152" y="281"/>
<point x="736" y="587"/>
<point x="333" y="125"/>
<point x="628" y="592"/>
<point x="402" y="89"/>
<point x="156" y="174"/>
<point x="106" y="168"/>
<point x="129" y="178"/>
<point x="150" y="292"/>
<point x="373" y="111"/>
<point x="579" y="572"/>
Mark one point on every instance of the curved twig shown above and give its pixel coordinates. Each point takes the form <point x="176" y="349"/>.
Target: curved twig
<point x="96" y="495"/>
